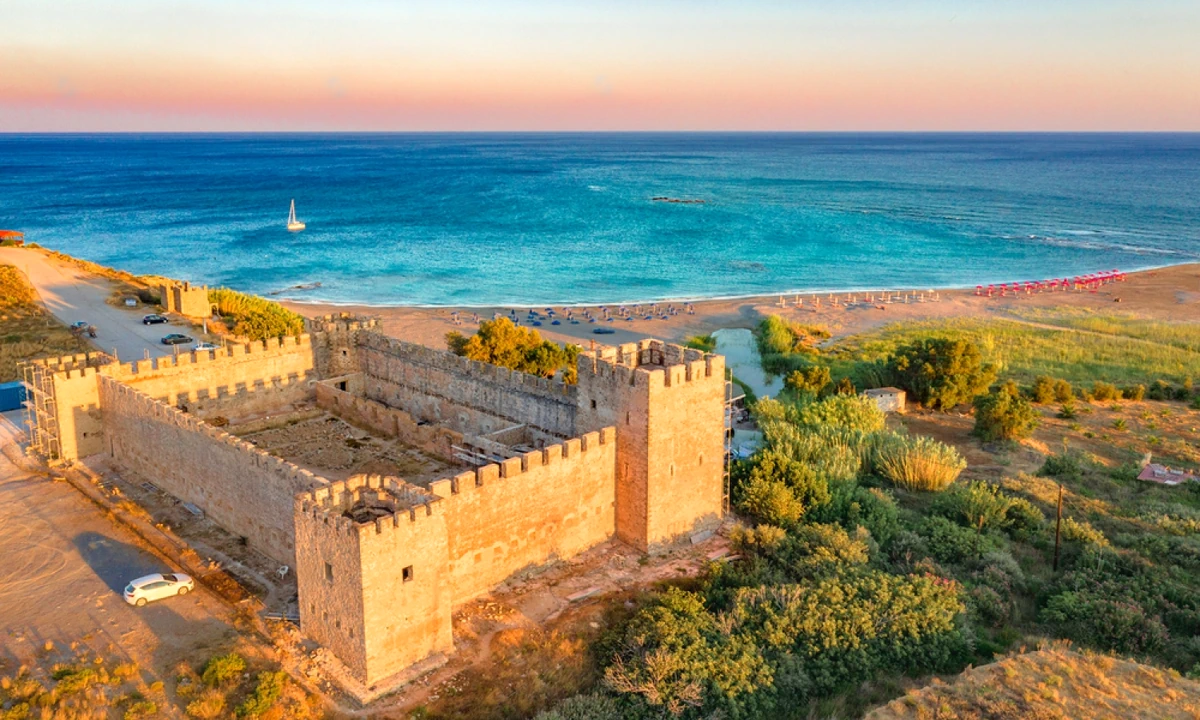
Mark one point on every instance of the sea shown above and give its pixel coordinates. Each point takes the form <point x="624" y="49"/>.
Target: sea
<point x="550" y="219"/>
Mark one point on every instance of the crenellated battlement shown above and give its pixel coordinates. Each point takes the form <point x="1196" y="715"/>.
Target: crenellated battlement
<point x="368" y="504"/>
<point x="651" y="363"/>
<point x="234" y="352"/>
<point x="144" y="406"/>
<point x="77" y="362"/>
<point x="341" y="322"/>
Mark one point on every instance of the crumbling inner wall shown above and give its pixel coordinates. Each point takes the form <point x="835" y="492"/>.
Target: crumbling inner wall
<point x="240" y="487"/>
<point x="238" y="380"/>
<point x="469" y="397"/>
<point x="542" y="506"/>
<point x="381" y="419"/>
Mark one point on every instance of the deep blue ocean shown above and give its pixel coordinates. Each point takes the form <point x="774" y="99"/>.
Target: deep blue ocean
<point x="475" y="219"/>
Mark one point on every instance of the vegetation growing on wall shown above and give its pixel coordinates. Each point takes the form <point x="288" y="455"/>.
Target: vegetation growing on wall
<point x="255" y="317"/>
<point x="500" y="342"/>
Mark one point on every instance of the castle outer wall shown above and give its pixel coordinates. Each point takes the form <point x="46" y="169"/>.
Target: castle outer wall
<point x="634" y="451"/>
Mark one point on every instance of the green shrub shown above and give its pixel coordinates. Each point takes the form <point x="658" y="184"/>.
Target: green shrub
<point x="1134" y="392"/>
<point x="255" y="317"/>
<point x="500" y="342"/>
<point x="847" y="412"/>
<point x="853" y="506"/>
<point x="1043" y="390"/>
<point x="1004" y="415"/>
<point x="140" y="709"/>
<point x="1067" y="411"/>
<point x="587" y="707"/>
<point x="941" y="373"/>
<point x="1108" y="624"/>
<point x="821" y="550"/>
<point x="1024" y="520"/>
<point x="949" y="542"/>
<point x="1083" y="532"/>
<point x="706" y="343"/>
<point x="784" y="346"/>
<point x="1160" y="390"/>
<point x="1063" y="392"/>
<point x="1067" y="465"/>
<point x="223" y="669"/>
<point x="845" y="386"/>
<point x="977" y="505"/>
<point x="811" y="380"/>
<point x="1102" y="391"/>
<point x="210" y="705"/>
<point x="918" y="463"/>
<point x="266" y="693"/>
<point x="779" y="488"/>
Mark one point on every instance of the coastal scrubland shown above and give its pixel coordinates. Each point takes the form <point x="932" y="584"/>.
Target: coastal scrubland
<point x="73" y="683"/>
<point x="1064" y="345"/>
<point x="26" y="330"/>
<point x="874" y="553"/>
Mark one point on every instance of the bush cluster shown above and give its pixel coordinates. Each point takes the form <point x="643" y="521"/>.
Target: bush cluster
<point x="1004" y="415"/>
<point x="941" y="373"/>
<point x="500" y="342"/>
<point x="255" y="317"/>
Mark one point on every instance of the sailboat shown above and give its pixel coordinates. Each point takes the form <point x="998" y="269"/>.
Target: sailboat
<point x="294" y="225"/>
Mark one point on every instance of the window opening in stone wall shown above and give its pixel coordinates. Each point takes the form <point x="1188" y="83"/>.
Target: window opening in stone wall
<point x="342" y="386"/>
<point x="407" y="573"/>
<point x="345" y="352"/>
<point x="328" y="572"/>
<point x="593" y="404"/>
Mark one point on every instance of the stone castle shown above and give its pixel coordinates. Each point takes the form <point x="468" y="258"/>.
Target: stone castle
<point x="634" y="452"/>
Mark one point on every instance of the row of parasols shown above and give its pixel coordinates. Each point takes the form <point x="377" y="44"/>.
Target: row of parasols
<point x="1079" y="283"/>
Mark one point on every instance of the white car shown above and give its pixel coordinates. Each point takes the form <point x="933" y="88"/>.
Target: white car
<point x="206" y="346"/>
<point x="158" y="586"/>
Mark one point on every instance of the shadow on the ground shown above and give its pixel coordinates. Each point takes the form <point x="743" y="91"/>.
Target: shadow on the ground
<point x="115" y="562"/>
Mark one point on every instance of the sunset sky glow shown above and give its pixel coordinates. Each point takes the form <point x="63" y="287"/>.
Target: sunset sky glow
<point x="192" y="65"/>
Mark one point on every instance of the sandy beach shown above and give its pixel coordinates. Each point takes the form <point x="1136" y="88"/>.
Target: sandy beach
<point x="1171" y="293"/>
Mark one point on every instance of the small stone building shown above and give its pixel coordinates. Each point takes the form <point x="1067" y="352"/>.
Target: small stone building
<point x="185" y="300"/>
<point x="887" y="399"/>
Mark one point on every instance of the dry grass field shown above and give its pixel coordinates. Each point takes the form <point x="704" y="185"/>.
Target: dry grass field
<point x="1051" y="684"/>
<point x="26" y="330"/>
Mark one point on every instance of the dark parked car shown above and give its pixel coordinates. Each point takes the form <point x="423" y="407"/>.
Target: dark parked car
<point x="153" y="320"/>
<point x="176" y="339"/>
<point x="603" y="331"/>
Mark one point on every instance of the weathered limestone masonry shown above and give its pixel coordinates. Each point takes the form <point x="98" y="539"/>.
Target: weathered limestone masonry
<point x="335" y="350"/>
<point x="242" y="488"/>
<point x="374" y="583"/>
<point x="387" y="562"/>
<point x="466" y="396"/>
<point x="667" y="403"/>
<point x="185" y="300"/>
<point x="545" y="505"/>
<point x="351" y="406"/>
<point x="241" y="379"/>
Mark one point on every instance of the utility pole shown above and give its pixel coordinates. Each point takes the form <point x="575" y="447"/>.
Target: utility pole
<point x="1058" y="528"/>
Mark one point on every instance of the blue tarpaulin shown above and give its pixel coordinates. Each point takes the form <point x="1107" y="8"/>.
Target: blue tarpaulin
<point x="12" y="395"/>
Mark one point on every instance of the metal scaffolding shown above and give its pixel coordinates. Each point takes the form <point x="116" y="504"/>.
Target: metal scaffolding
<point x="731" y="400"/>
<point x="41" y="410"/>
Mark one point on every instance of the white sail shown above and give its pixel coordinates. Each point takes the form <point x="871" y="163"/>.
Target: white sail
<point x="293" y="224"/>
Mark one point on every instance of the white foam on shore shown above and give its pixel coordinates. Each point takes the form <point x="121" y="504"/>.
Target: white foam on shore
<point x="765" y="297"/>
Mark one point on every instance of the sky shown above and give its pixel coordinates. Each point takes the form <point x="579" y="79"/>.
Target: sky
<point x="780" y="65"/>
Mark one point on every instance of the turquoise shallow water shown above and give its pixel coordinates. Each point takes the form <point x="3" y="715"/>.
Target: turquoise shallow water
<point x="430" y="219"/>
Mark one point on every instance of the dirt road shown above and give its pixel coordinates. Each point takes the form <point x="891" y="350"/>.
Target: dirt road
<point x="72" y="294"/>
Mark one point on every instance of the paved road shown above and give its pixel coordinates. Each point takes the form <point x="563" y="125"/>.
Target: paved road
<point x="72" y="294"/>
<point x="64" y="565"/>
